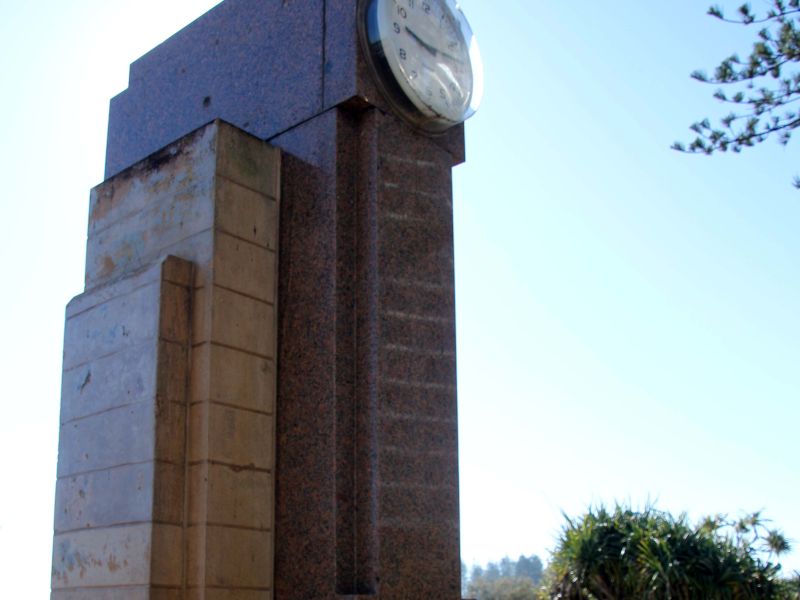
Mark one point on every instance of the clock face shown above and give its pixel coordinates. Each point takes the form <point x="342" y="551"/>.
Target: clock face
<point x="431" y="56"/>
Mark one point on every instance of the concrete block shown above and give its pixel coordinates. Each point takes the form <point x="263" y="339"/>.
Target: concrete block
<point x="102" y="557"/>
<point x="123" y="495"/>
<point x="126" y="377"/>
<point x="104" y="498"/>
<point x="183" y="169"/>
<point x="115" y="325"/>
<point x="113" y="289"/>
<point x="117" y="437"/>
<point x="141" y="238"/>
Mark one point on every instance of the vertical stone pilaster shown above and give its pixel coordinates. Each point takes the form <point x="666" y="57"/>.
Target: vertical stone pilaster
<point x="367" y="501"/>
<point x="232" y="409"/>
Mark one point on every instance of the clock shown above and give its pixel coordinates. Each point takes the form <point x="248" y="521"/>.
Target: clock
<point x="424" y="58"/>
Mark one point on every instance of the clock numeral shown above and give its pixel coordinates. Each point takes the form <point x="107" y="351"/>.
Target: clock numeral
<point x="397" y="27"/>
<point x="453" y="45"/>
<point x="429" y="92"/>
<point x="426" y="7"/>
<point x="414" y="74"/>
<point x="443" y="93"/>
<point x="412" y="3"/>
<point x="402" y="12"/>
<point x="403" y="54"/>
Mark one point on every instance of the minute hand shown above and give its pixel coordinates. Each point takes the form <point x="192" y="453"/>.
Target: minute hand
<point x="432" y="49"/>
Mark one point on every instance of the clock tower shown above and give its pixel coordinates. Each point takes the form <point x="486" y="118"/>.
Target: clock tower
<point x="353" y="112"/>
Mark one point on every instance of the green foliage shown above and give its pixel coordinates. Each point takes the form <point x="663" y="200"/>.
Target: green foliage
<point x="506" y="580"/>
<point x="760" y="89"/>
<point x="648" y="554"/>
<point x="503" y="588"/>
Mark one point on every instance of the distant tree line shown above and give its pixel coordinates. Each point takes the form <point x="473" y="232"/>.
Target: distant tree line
<point x="504" y="580"/>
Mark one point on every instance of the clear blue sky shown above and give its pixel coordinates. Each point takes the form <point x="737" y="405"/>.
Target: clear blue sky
<point x="627" y="316"/>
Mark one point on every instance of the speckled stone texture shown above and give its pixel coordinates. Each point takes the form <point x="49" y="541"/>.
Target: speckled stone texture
<point x="262" y="65"/>
<point x="367" y="472"/>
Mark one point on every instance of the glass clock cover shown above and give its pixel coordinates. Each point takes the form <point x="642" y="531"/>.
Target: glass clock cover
<point x="425" y="58"/>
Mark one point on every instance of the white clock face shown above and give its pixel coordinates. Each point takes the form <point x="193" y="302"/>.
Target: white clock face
<point x="429" y="48"/>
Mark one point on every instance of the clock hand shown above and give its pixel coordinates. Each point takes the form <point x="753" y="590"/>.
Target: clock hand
<point x="422" y="42"/>
<point x="432" y="49"/>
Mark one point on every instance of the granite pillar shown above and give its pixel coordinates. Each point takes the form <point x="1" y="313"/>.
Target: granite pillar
<point x="367" y="497"/>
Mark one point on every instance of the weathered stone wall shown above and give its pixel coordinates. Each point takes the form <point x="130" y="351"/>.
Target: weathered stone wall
<point x="166" y="460"/>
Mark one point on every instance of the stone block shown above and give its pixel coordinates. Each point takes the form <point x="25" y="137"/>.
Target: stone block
<point x="234" y="320"/>
<point x="176" y="270"/>
<point x="238" y="558"/>
<point x="412" y="363"/>
<point x="170" y="431"/>
<point x="417" y="297"/>
<point x="234" y="378"/>
<point x="424" y="561"/>
<point x="174" y="313"/>
<point x="234" y="437"/>
<point x="441" y="435"/>
<point x="397" y="397"/>
<point x="247" y="214"/>
<point x="418" y="505"/>
<point x="412" y="468"/>
<point x="225" y="65"/>
<point x="420" y="331"/>
<point x="230" y="496"/>
<point x="245" y="267"/>
<point x="248" y="161"/>
<point x="173" y="369"/>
